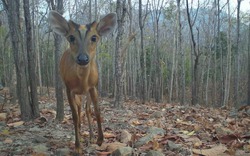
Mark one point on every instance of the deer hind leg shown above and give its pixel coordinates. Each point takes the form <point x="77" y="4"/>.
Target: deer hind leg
<point x="76" y="119"/>
<point x="88" y="114"/>
<point x="94" y="97"/>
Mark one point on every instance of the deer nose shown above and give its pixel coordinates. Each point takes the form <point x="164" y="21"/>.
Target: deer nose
<point x="82" y="59"/>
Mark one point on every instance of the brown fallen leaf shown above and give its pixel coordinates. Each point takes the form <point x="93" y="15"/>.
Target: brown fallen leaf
<point x="48" y="111"/>
<point x="246" y="107"/>
<point x="38" y="154"/>
<point x="136" y="122"/>
<point x="227" y="138"/>
<point x="109" y="135"/>
<point x="156" y="144"/>
<point x="147" y="146"/>
<point x="178" y="121"/>
<point x="8" y="141"/>
<point x="195" y="141"/>
<point x="3" y="116"/>
<point x="103" y="153"/>
<point x="103" y="147"/>
<point x="15" y="124"/>
<point x="115" y="145"/>
<point x="246" y="148"/>
<point x="85" y="133"/>
<point x="125" y="136"/>
<point x="197" y="128"/>
<point x="216" y="150"/>
<point x="5" y="132"/>
<point x="230" y="151"/>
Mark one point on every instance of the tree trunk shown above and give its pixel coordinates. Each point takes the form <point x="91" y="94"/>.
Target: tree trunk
<point x="229" y="51"/>
<point x="96" y="10"/>
<point x="248" y="95"/>
<point x="31" y="62"/>
<point x="207" y="79"/>
<point x="120" y="10"/>
<point x="172" y="71"/>
<point x="237" y="57"/>
<point x="179" y="49"/>
<point x="219" y="51"/>
<point x="19" y="58"/>
<point x="157" y="7"/>
<point x="214" y="93"/>
<point x="194" y="71"/>
<point x="58" y="80"/>
<point x="90" y="11"/>
<point x="143" y="55"/>
<point x="158" y="84"/>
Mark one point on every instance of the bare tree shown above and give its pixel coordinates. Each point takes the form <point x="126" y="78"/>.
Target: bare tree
<point x="179" y="49"/>
<point x="28" y="109"/>
<point x="58" y="52"/>
<point x="121" y="11"/>
<point x="219" y="50"/>
<point x="90" y="11"/>
<point x="156" y="14"/>
<point x="237" y="57"/>
<point x="229" y="59"/>
<point x="143" y="53"/>
<point x="196" y="53"/>
<point x="248" y="95"/>
<point x="31" y="61"/>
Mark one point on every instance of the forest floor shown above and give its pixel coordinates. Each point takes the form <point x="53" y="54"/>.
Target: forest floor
<point x="142" y="129"/>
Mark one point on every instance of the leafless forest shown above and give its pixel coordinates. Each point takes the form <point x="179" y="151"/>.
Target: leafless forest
<point x="166" y="62"/>
<point x="188" y="52"/>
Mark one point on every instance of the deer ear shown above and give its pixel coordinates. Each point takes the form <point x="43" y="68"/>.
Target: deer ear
<point x="58" y="23"/>
<point x="107" y="24"/>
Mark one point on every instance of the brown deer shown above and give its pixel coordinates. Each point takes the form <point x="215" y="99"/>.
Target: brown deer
<point x="78" y="66"/>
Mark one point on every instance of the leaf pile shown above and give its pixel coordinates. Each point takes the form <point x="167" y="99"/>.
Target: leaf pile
<point x="138" y="129"/>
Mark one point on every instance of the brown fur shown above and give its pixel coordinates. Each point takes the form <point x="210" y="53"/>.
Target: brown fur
<point x="81" y="79"/>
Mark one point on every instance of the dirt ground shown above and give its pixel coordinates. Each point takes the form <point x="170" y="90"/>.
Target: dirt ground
<point x="169" y="129"/>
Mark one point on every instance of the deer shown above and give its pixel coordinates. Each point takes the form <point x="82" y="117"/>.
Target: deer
<point x="78" y="68"/>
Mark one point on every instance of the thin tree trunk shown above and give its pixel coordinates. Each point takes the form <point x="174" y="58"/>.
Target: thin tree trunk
<point x="35" y="33"/>
<point x="157" y="6"/>
<point x="207" y="79"/>
<point x="229" y="51"/>
<point x="19" y="58"/>
<point x="90" y="11"/>
<point x="219" y="51"/>
<point x="58" y="81"/>
<point x="248" y="95"/>
<point x="158" y="97"/>
<point x="237" y="57"/>
<point x="194" y="69"/>
<point x="179" y="49"/>
<point x="214" y="93"/>
<point x="96" y="10"/>
<point x="143" y="54"/>
<point x="172" y="71"/>
<point x="31" y="62"/>
<point x="120" y="10"/>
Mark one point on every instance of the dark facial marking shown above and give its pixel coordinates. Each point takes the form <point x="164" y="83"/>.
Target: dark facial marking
<point x="71" y="38"/>
<point x="93" y="38"/>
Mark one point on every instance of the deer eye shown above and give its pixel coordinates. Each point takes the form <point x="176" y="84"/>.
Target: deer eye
<point x="71" y="38"/>
<point x="93" y="38"/>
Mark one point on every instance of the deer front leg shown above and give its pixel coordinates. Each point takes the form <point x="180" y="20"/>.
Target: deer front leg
<point x="76" y="119"/>
<point x="88" y="114"/>
<point x="78" y="99"/>
<point x="94" y="97"/>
